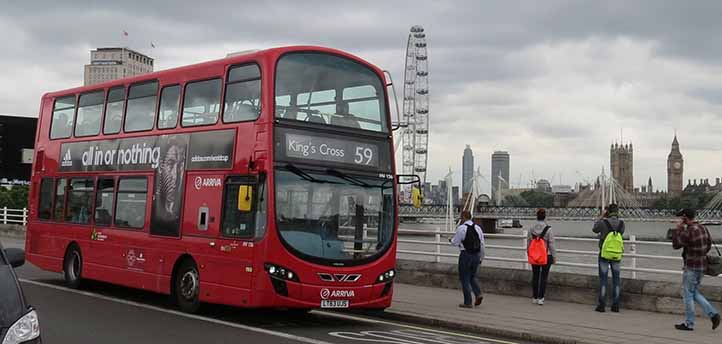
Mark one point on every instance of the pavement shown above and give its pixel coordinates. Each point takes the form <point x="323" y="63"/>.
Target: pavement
<point x="554" y="322"/>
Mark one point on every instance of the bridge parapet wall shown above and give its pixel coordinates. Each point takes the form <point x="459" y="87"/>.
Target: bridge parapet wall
<point x="645" y="295"/>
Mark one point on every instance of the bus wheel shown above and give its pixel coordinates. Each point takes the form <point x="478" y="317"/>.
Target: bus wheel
<point x="73" y="267"/>
<point x="187" y="287"/>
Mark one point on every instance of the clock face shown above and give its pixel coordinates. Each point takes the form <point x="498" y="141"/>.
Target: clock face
<point x="677" y="165"/>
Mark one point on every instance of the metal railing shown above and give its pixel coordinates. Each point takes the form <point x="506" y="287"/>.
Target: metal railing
<point x="13" y="216"/>
<point x="20" y="217"/>
<point x="630" y="255"/>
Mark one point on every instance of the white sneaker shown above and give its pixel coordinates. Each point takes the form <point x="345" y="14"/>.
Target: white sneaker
<point x="540" y="301"/>
<point x="535" y="301"/>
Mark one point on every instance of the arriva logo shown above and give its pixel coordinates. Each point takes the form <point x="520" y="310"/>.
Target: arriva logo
<point x="326" y="293"/>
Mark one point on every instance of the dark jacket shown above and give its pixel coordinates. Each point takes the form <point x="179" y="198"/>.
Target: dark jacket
<point x="601" y="228"/>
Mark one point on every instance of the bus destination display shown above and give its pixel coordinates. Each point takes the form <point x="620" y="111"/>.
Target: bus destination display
<point x="302" y="146"/>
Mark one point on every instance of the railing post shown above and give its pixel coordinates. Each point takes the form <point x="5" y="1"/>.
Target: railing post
<point x="524" y="233"/>
<point x="5" y="215"/>
<point x="633" y="239"/>
<point x="437" y="257"/>
<point x="25" y="216"/>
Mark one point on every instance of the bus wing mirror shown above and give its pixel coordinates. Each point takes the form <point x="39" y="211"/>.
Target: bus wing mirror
<point x="245" y="197"/>
<point x="417" y="198"/>
<point x="391" y="91"/>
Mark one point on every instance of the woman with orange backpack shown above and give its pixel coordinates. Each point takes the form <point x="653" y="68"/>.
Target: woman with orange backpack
<point x="541" y="255"/>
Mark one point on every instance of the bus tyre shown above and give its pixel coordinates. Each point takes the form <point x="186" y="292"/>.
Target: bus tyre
<point x="73" y="267"/>
<point x="187" y="287"/>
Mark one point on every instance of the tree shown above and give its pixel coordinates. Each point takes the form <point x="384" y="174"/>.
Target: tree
<point x="538" y="199"/>
<point x="14" y="198"/>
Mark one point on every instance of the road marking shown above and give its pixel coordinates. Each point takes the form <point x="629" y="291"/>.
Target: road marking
<point x="418" y="328"/>
<point x="178" y="313"/>
<point x="260" y="330"/>
<point x="406" y="337"/>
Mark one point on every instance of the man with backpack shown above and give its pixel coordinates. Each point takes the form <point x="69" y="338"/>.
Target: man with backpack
<point x="469" y="238"/>
<point x="611" y="246"/>
<point x="696" y="241"/>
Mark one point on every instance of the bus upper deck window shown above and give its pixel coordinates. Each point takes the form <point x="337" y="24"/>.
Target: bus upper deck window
<point x="140" y="112"/>
<point x="62" y="122"/>
<point x="243" y="94"/>
<point x="114" y="110"/>
<point x="90" y="109"/>
<point x="201" y="103"/>
<point x="169" y="101"/>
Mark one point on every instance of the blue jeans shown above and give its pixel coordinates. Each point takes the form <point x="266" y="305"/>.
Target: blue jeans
<point x="616" y="281"/>
<point x="468" y="265"/>
<point x="691" y="281"/>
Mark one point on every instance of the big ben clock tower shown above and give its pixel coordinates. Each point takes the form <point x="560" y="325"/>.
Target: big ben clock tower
<point x="675" y="167"/>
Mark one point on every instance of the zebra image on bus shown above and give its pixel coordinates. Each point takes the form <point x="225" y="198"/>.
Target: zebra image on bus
<point x="264" y="179"/>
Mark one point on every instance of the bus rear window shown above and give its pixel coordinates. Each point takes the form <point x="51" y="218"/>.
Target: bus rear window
<point x="45" y="203"/>
<point x="62" y="122"/>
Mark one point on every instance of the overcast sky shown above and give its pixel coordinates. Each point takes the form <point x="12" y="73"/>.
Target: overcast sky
<point x="552" y="82"/>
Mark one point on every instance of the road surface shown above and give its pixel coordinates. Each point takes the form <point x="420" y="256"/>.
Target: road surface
<point x="104" y="313"/>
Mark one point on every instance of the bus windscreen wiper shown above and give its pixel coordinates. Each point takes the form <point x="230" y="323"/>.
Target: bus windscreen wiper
<point x="346" y="177"/>
<point x="299" y="172"/>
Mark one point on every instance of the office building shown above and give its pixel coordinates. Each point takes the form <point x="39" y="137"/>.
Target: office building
<point x="499" y="172"/>
<point x="467" y="169"/>
<point x="114" y="63"/>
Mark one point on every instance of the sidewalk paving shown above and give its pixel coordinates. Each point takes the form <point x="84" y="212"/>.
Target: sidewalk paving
<point x="554" y="322"/>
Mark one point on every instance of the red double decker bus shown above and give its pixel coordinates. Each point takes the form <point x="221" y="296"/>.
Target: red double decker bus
<point x="259" y="180"/>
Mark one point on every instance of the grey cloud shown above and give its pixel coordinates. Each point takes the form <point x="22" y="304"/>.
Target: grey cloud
<point x="490" y="84"/>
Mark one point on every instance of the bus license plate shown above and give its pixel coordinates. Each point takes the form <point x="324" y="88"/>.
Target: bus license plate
<point x="334" y="303"/>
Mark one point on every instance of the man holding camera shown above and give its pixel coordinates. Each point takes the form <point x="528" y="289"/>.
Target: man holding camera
<point x="695" y="241"/>
<point x="607" y="223"/>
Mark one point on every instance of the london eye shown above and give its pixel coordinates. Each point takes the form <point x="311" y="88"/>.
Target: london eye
<point x="415" y="121"/>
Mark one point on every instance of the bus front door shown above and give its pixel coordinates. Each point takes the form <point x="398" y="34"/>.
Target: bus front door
<point x="224" y="260"/>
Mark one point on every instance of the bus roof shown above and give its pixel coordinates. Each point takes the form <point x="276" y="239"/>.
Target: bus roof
<point x="228" y="60"/>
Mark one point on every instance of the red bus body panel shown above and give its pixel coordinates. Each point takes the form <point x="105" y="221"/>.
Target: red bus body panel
<point x="231" y="270"/>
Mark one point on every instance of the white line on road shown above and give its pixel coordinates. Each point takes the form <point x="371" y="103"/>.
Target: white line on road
<point x="178" y="313"/>
<point x="375" y="321"/>
<point x="255" y="329"/>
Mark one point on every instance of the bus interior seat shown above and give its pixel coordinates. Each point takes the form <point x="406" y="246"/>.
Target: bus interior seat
<point x="102" y="216"/>
<point x="240" y="112"/>
<point x="315" y="118"/>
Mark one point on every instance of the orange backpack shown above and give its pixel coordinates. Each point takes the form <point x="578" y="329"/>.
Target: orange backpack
<point x="537" y="251"/>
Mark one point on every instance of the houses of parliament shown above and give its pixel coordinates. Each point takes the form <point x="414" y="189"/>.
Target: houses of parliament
<point x="622" y="169"/>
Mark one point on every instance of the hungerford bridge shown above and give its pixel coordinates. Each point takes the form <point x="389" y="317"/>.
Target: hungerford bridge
<point x="408" y="212"/>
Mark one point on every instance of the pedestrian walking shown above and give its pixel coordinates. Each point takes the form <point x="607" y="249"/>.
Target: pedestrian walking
<point x="695" y="241"/>
<point x="610" y="229"/>
<point x="469" y="238"/>
<point x="542" y="254"/>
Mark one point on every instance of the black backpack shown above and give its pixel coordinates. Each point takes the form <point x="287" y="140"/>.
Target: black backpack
<point x="472" y="242"/>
